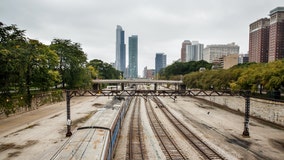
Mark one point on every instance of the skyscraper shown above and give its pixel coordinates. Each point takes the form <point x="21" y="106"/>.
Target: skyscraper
<point x="259" y="40"/>
<point x="194" y="52"/>
<point x="120" y="50"/>
<point x="276" y="34"/>
<point x="267" y="37"/>
<point x="133" y="56"/>
<point x="160" y="62"/>
<point x="183" y="50"/>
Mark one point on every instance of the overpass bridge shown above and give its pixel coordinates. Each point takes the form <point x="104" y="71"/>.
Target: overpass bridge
<point x="129" y="88"/>
<point x="120" y="84"/>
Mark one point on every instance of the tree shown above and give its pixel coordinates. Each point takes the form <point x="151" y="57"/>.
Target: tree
<point x="182" y="68"/>
<point x="34" y="66"/>
<point x="72" y="63"/>
<point x="94" y="73"/>
<point x="104" y="70"/>
<point x="41" y="63"/>
<point x="273" y="77"/>
<point x="11" y="41"/>
<point x="251" y="76"/>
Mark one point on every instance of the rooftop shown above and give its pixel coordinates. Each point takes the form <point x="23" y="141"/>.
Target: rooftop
<point x="277" y="9"/>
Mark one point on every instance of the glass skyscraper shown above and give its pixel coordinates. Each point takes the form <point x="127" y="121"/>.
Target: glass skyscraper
<point x="160" y="62"/>
<point x="133" y="56"/>
<point x="120" y="50"/>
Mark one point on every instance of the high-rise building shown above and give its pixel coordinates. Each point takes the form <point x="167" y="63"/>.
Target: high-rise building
<point x="183" y="50"/>
<point x="243" y="58"/>
<point x="145" y="72"/>
<point x="276" y="34"/>
<point x="133" y="56"/>
<point x="214" y="52"/>
<point x="120" y="50"/>
<point x="267" y="37"/>
<point x="259" y="40"/>
<point x="160" y="62"/>
<point x="194" y="52"/>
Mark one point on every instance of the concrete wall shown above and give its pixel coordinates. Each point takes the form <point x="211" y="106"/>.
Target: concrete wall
<point x="268" y="110"/>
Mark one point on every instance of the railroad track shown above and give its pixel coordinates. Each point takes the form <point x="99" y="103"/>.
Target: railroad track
<point x="204" y="150"/>
<point x="136" y="146"/>
<point x="168" y="146"/>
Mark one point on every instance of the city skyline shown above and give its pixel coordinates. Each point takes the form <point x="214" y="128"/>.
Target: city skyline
<point x="161" y="25"/>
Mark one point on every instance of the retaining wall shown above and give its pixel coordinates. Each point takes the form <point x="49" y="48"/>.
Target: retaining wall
<point x="264" y="109"/>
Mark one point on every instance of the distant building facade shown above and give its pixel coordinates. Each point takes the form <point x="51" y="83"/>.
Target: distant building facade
<point x="214" y="52"/>
<point x="120" y="56"/>
<point x="230" y="61"/>
<point x="148" y="73"/>
<point x="183" y="50"/>
<point x="276" y="34"/>
<point x="194" y="52"/>
<point x="243" y="58"/>
<point x="160" y="62"/>
<point x="133" y="56"/>
<point x="259" y="40"/>
<point x="266" y="37"/>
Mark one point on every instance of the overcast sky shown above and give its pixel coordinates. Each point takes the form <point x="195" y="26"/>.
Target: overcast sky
<point x="161" y="25"/>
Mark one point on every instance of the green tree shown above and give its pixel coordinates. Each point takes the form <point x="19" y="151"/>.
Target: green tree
<point x="94" y="73"/>
<point x="35" y="64"/>
<point x="104" y="70"/>
<point x="182" y="68"/>
<point x="273" y="77"/>
<point x="72" y="63"/>
<point x="43" y="62"/>
<point x="11" y="41"/>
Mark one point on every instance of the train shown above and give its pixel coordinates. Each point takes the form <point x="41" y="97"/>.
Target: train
<point x="98" y="137"/>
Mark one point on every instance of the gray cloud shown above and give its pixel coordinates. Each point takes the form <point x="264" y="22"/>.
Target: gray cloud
<point x="161" y="25"/>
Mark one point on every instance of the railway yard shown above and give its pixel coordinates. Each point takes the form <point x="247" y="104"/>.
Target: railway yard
<point x="138" y="128"/>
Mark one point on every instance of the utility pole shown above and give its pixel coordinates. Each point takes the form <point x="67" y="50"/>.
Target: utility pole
<point x="69" y="122"/>
<point x="247" y="108"/>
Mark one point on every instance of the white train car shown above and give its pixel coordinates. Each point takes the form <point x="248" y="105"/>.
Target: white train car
<point x="97" y="138"/>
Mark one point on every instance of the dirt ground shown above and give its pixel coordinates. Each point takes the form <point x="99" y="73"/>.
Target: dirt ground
<point x="40" y="133"/>
<point x="221" y="129"/>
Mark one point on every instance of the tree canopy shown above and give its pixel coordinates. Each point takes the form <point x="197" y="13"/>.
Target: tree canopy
<point x="103" y="70"/>
<point x="251" y="76"/>
<point x="27" y="65"/>
<point x="182" y="68"/>
<point x="72" y="63"/>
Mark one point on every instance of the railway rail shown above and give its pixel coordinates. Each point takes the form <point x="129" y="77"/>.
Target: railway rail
<point x="205" y="151"/>
<point x="168" y="146"/>
<point x="136" y="146"/>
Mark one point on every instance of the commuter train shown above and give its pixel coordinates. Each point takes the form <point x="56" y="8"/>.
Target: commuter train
<point x="98" y="138"/>
<point x="115" y="129"/>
